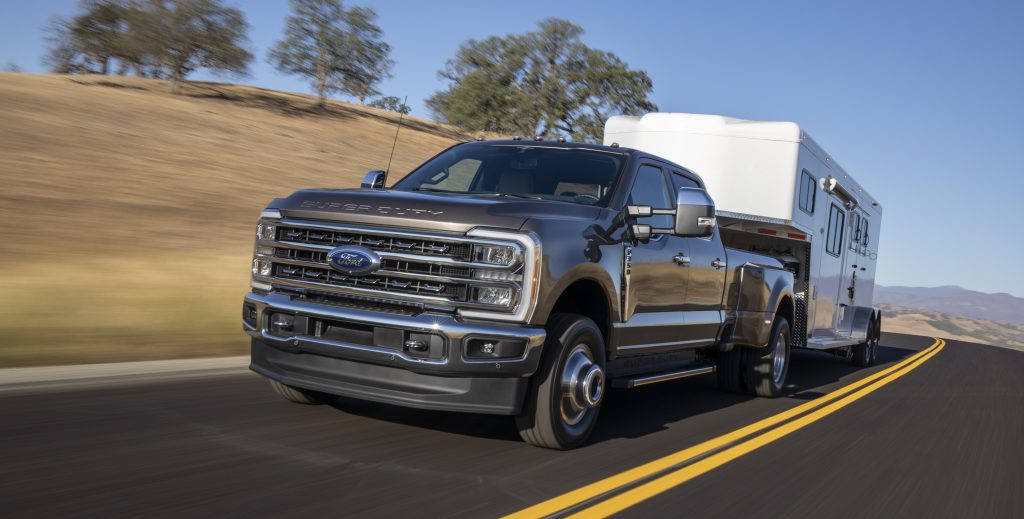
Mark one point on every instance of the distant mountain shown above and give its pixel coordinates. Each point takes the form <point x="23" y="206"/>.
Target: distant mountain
<point x="955" y="301"/>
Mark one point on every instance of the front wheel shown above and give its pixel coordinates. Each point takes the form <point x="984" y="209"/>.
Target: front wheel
<point x="300" y="395"/>
<point x="566" y="393"/>
<point x="765" y="369"/>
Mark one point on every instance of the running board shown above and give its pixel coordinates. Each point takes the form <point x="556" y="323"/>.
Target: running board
<point x="645" y="380"/>
<point x="828" y="343"/>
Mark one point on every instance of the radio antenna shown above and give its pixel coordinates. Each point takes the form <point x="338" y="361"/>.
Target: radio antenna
<point x="401" y="112"/>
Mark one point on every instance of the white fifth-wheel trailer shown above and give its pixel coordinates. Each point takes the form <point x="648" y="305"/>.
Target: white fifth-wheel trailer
<point x="778" y="193"/>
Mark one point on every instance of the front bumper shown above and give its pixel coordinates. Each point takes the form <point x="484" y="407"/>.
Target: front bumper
<point x="381" y="370"/>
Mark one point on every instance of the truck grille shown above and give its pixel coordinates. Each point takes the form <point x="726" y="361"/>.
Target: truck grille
<point x="377" y="242"/>
<point x="417" y="268"/>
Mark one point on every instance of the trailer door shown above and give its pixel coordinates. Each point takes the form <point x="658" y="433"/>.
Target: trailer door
<point x="831" y="262"/>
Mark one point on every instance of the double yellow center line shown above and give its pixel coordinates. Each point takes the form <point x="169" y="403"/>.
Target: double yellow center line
<point x="616" y="493"/>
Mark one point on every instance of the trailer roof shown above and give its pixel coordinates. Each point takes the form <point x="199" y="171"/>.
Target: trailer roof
<point x="720" y="125"/>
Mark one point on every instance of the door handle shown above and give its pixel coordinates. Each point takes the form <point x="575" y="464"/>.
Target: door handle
<point x="718" y="264"/>
<point x="681" y="259"/>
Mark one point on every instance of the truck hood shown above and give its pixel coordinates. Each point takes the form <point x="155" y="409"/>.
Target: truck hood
<point x="422" y="210"/>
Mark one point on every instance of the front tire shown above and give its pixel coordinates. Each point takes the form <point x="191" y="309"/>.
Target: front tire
<point x="568" y="389"/>
<point x="765" y="369"/>
<point x="301" y="396"/>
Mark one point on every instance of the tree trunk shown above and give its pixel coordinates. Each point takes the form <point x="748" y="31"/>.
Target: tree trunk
<point x="321" y="81"/>
<point x="176" y="82"/>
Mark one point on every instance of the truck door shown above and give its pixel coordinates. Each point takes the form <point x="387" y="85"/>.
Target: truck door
<point x="706" y="287"/>
<point x="831" y="262"/>
<point x="655" y="280"/>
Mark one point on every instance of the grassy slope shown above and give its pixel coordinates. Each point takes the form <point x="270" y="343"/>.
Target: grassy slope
<point x="128" y="212"/>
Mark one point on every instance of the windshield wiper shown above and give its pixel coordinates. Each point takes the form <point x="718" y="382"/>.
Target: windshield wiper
<point x="516" y="195"/>
<point x="436" y="190"/>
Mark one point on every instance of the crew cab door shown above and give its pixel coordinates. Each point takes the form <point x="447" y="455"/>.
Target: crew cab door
<point x="702" y="309"/>
<point x="655" y="275"/>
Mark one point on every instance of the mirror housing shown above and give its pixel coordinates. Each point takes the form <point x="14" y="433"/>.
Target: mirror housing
<point x="695" y="213"/>
<point x="374" y="179"/>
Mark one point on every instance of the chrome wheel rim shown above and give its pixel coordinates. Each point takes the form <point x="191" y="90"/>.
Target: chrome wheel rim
<point x="582" y="385"/>
<point x="779" y="360"/>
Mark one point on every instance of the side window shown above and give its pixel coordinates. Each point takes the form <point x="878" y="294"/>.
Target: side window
<point x="808" y="192"/>
<point x="836" y="226"/>
<point x="649" y="188"/>
<point x="681" y="180"/>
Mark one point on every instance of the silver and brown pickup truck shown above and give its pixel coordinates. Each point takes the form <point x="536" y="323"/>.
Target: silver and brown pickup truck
<point x="512" y="277"/>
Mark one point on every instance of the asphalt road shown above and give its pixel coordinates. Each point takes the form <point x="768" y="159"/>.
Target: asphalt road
<point x="943" y="440"/>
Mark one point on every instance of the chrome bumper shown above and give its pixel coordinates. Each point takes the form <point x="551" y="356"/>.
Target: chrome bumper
<point x="453" y="331"/>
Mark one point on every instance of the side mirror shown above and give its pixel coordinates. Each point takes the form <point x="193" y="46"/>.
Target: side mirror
<point x="374" y="179"/>
<point x="695" y="213"/>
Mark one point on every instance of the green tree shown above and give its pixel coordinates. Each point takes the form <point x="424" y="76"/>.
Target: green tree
<point x="546" y="82"/>
<point x="186" y="35"/>
<point x="62" y="55"/>
<point x="339" y="50"/>
<point x="391" y="103"/>
<point x="100" y="32"/>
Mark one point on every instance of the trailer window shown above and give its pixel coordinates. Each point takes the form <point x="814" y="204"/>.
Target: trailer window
<point x="808" y="192"/>
<point x="649" y="189"/>
<point x="836" y="225"/>
<point x="856" y="231"/>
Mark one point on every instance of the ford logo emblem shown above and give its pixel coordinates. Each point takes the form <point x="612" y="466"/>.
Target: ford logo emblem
<point x="353" y="261"/>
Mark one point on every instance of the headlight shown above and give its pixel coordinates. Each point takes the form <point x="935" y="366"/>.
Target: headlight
<point x="495" y="254"/>
<point x="266" y="231"/>
<point x="498" y="296"/>
<point x="261" y="267"/>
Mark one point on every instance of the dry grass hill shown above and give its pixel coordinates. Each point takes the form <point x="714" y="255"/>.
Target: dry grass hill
<point x="128" y="212"/>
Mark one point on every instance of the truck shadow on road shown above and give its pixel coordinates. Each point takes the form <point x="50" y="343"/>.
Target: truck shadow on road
<point x="640" y="412"/>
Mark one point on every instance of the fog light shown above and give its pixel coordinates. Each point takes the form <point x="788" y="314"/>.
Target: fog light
<point x="495" y="254"/>
<point x="498" y="296"/>
<point x="280" y="323"/>
<point x="487" y="348"/>
<point x="266" y="231"/>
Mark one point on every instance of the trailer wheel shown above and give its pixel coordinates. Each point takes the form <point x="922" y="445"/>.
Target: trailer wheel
<point x="729" y="370"/>
<point x="566" y="393"/>
<point x="865" y="353"/>
<point x="765" y="369"/>
<point x="301" y="396"/>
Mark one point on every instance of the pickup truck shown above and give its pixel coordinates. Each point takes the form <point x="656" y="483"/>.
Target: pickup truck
<point x="512" y="277"/>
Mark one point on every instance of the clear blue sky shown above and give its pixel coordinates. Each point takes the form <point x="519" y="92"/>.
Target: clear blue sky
<point x="923" y="102"/>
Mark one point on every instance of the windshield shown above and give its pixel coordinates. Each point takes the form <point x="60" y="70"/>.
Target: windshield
<point x="575" y="175"/>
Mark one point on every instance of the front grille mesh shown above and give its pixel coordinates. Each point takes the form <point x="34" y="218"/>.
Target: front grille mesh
<point x="453" y="291"/>
<point x="377" y="242"/>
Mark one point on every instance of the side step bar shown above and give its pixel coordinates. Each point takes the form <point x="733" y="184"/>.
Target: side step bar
<point x="646" y="380"/>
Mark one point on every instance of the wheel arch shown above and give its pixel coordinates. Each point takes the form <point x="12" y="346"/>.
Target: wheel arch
<point x="585" y="296"/>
